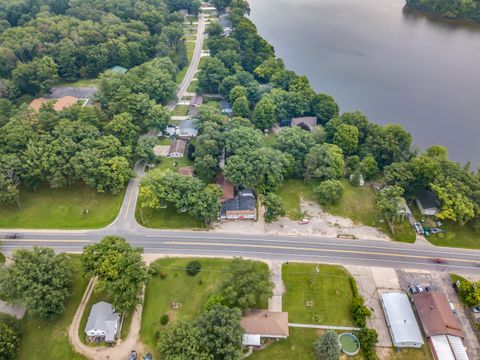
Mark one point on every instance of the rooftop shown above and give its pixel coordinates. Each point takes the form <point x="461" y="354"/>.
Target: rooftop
<point x="118" y="69"/>
<point x="265" y="323"/>
<point x="239" y="204"/>
<point x="102" y="317"/>
<point x="227" y="187"/>
<point x="37" y="103"/>
<point x="428" y="199"/>
<point x="436" y="315"/>
<point x="65" y="102"/>
<point x="178" y="146"/>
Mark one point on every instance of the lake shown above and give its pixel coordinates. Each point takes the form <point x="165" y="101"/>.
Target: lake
<point x="395" y="66"/>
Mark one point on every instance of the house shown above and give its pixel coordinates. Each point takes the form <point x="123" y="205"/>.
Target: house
<point x="103" y="323"/>
<point x="241" y="207"/>
<point x="440" y="325"/>
<point x="187" y="129"/>
<point x="195" y="103"/>
<point x="260" y="324"/>
<point x="186" y="171"/>
<point x="36" y="104"/>
<point x="226" y="186"/>
<point x="308" y="122"/>
<point x="401" y="321"/>
<point x="65" y="102"/>
<point x="428" y="203"/>
<point x="170" y="130"/>
<point x="226" y="24"/>
<point x="226" y="107"/>
<point x="118" y="70"/>
<point x="177" y="149"/>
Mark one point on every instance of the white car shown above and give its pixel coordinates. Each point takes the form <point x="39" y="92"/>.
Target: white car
<point x="304" y="221"/>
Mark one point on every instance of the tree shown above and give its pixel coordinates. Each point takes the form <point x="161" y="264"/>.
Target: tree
<point x="9" y="341"/>
<point x="39" y="280"/>
<point x="182" y="341"/>
<point x="205" y="167"/>
<point x="325" y="108"/>
<point x="273" y="207"/>
<point x="144" y="149"/>
<point x="327" y="347"/>
<point x="264" y="113"/>
<point x="470" y="292"/>
<point x="120" y="269"/>
<point x="368" y="340"/>
<point x="237" y="92"/>
<point x="241" y="108"/>
<point x="211" y="75"/>
<point x="389" y="201"/>
<point x="369" y="167"/>
<point x="243" y="139"/>
<point x="214" y="29"/>
<point x="329" y="192"/>
<point x="193" y="267"/>
<point x="325" y="162"/>
<point x="35" y="77"/>
<point x="346" y="138"/>
<point x="221" y="332"/>
<point x="456" y="206"/>
<point x="296" y="142"/>
<point x="123" y="128"/>
<point x="246" y="284"/>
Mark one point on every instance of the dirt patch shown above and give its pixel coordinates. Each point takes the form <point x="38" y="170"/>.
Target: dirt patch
<point x="321" y="224"/>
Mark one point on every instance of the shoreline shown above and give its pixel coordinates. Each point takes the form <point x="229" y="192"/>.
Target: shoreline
<point x="432" y="16"/>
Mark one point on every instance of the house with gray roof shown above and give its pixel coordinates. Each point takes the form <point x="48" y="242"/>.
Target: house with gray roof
<point x="103" y="323"/>
<point x="241" y="207"/>
<point x="188" y="129"/>
<point x="428" y="203"/>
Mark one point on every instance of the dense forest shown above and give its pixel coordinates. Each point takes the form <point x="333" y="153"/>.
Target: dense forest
<point x="452" y="9"/>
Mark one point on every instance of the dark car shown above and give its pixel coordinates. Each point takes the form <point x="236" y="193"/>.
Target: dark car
<point x="439" y="261"/>
<point x="13" y="236"/>
<point x="476" y="309"/>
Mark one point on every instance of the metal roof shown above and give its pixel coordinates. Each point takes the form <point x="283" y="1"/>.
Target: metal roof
<point x="400" y="318"/>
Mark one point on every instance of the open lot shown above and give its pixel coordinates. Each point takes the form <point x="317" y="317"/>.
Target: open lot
<point x="177" y="287"/>
<point x="317" y="294"/>
<point x="49" y="339"/>
<point x="61" y="209"/>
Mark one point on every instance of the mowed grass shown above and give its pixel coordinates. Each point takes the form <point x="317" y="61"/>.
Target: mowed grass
<point x="193" y="86"/>
<point x="456" y="236"/>
<point x="317" y="294"/>
<point x="61" y="209"/>
<point x="180" y="110"/>
<point x="357" y="203"/>
<point x="49" y="339"/>
<point x="79" y="83"/>
<point x="177" y="287"/>
<point x="190" y="49"/>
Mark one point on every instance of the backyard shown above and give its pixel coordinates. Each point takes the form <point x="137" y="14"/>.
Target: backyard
<point x="175" y="286"/>
<point x="49" y="339"/>
<point x="61" y="209"/>
<point x="317" y="294"/>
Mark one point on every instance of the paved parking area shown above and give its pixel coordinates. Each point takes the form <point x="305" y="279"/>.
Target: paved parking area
<point x="441" y="281"/>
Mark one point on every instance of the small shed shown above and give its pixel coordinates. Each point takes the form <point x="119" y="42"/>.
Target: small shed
<point x="428" y="203"/>
<point x="177" y="149"/>
<point x="118" y="69"/>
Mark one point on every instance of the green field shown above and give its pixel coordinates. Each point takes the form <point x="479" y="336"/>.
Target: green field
<point x="192" y="87"/>
<point x="317" y="297"/>
<point x="180" y="110"/>
<point x="357" y="203"/>
<point x="49" y="339"/>
<point x="61" y="209"/>
<point x="178" y="287"/>
<point x="457" y="236"/>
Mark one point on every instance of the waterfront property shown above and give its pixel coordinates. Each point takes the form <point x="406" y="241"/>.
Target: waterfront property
<point x="401" y="321"/>
<point x="103" y="323"/>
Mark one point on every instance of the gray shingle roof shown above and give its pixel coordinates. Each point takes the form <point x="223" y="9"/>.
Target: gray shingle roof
<point x="102" y="317"/>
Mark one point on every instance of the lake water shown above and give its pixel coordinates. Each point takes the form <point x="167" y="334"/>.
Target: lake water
<point x="394" y="66"/>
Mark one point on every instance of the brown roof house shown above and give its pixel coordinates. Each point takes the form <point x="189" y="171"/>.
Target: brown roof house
<point x="226" y="186"/>
<point x="177" y="149"/>
<point x="264" y="324"/>
<point x="241" y="207"/>
<point x="308" y="121"/>
<point x="440" y="325"/>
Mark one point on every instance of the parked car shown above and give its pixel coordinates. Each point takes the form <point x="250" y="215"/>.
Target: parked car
<point x="418" y="228"/>
<point x="304" y="222"/>
<point x="147" y="357"/>
<point x="439" y="261"/>
<point x="133" y="355"/>
<point x="436" y="230"/>
<point x="476" y="309"/>
<point x="452" y="307"/>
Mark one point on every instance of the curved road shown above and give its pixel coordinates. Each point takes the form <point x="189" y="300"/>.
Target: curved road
<point x="205" y="243"/>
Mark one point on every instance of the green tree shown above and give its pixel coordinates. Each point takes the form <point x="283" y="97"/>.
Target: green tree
<point x="35" y="77"/>
<point x="246" y="285"/>
<point x="39" y="280"/>
<point x="470" y="292"/>
<point x="9" y="341"/>
<point x="144" y="149"/>
<point x="296" y="142"/>
<point x="211" y="75"/>
<point x="273" y="207"/>
<point x="389" y="201"/>
<point x="123" y="128"/>
<point x="368" y="340"/>
<point x="329" y="192"/>
<point x="237" y="92"/>
<point x="369" y="167"/>
<point x="120" y="269"/>
<point x="327" y="347"/>
<point x="182" y="341"/>
<point x="325" y="162"/>
<point x="325" y="108"/>
<point x="346" y="138"/>
<point x="221" y="332"/>
<point x="206" y="167"/>
<point x="264" y="113"/>
<point x="243" y="139"/>
<point x="241" y="108"/>
<point x="456" y="206"/>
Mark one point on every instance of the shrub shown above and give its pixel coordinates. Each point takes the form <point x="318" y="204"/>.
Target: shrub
<point x="360" y="312"/>
<point x="368" y="339"/>
<point x="193" y="267"/>
<point x="329" y="192"/>
<point x="164" y="319"/>
<point x="214" y="299"/>
<point x="154" y="269"/>
<point x="327" y="347"/>
<point x="163" y="275"/>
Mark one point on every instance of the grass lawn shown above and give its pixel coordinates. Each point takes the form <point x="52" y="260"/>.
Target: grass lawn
<point x="61" y="209"/>
<point x="164" y="140"/>
<point x="190" y="48"/>
<point x="49" y="340"/>
<point x="329" y="292"/>
<point x="181" y="74"/>
<point x="270" y="140"/>
<point x="79" y="83"/>
<point x="94" y="298"/>
<point x="457" y="236"/>
<point x="412" y="354"/>
<point x="357" y="203"/>
<point x="180" y="110"/>
<point x="192" y="87"/>
<point x="190" y="292"/>
<point x="202" y="61"/>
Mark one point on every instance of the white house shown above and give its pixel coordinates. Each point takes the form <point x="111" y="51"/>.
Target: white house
<point x="103" y="323"/>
